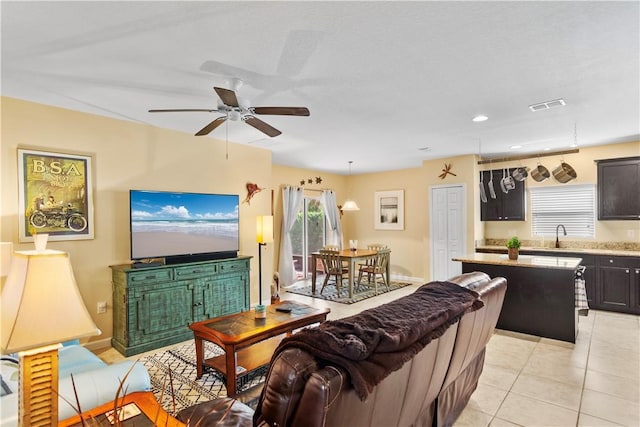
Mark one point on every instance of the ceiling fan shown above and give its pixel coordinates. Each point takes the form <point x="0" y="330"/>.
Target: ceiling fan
<point x="235" y="109"/>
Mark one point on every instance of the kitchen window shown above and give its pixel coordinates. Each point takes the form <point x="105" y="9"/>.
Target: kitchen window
<point x="573" y="206"/>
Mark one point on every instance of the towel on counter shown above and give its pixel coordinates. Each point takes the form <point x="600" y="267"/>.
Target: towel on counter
<point x="581" y="292"/>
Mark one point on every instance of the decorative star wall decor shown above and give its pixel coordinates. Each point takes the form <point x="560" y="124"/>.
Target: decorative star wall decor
<point x="317" y="180"/>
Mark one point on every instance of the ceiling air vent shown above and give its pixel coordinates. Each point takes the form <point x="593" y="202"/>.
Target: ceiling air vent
<point x="548" y="104"/>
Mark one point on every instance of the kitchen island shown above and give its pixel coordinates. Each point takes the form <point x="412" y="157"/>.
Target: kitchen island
<point x="540" y="298"/>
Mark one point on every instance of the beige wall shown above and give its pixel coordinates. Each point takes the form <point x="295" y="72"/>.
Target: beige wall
<point x="411" y="252"/>
<point x="586" y="168"/>
<point x="410" y="248"/>
<point x="129" y="155"/>
<point x="407" y="246"/>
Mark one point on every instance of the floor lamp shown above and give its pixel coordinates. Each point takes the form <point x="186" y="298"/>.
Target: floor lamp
<point x="264" y="235"/>
<point x="41" y="307"/>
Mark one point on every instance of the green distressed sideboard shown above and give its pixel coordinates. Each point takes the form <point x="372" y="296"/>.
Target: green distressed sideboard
<point x="152" y="307"/>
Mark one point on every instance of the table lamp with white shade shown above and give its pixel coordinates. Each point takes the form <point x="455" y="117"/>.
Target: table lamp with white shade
<point x="41" y="307"/>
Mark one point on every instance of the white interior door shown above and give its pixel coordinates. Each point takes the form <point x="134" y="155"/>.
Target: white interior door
<point x="448" y="230"/>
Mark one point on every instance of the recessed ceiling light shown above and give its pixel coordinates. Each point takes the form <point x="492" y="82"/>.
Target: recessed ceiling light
<point x="547" y="149"/>
<point x="515" y="147"/>
<point x="480" y="118"/>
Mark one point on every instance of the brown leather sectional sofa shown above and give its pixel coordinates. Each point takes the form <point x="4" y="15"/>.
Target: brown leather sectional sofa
<point x="431" y="389"/>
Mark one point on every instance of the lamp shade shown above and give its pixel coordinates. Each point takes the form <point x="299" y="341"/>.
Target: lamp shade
<point x="264" y="229"/>
<point x="41" y="303"/>
<point x="350" y="205"/>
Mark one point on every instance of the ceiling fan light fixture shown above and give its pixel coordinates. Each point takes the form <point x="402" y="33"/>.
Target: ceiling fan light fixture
<point x="238" y="109"/>
<point x="234" y="115"/>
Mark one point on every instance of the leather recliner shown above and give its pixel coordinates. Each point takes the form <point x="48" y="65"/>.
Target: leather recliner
<point x="431" y="389"/>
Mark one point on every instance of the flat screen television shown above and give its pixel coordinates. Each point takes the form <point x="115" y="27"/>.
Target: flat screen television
<point x="183" y="227"/>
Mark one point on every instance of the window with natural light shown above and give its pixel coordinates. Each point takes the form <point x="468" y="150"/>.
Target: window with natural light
<point x="573" y="206"/>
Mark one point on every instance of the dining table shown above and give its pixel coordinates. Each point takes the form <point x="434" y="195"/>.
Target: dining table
<point x="350" y="256"/>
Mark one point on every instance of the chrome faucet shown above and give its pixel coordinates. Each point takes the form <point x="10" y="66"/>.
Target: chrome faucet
<point x="565" y="233"/>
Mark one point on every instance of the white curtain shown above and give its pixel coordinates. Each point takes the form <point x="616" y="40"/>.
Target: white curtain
<point x="292" y="198"/>
<point x="332" y="214"/>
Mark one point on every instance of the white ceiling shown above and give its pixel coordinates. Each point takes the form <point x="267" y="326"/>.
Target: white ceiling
<point x="381" y="79"/>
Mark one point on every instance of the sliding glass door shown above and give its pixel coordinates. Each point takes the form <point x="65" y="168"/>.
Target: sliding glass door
<point x="307" y="236"/>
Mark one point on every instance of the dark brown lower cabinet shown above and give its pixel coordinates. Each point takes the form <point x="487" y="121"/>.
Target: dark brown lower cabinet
<point x="636" y="290"/>
<point x="618" y="283"/>
<point x="612" y="282"/>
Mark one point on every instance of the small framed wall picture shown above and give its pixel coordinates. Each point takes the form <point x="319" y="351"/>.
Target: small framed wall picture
<point x="389" y="210"/>
<point x="54" y="195"/>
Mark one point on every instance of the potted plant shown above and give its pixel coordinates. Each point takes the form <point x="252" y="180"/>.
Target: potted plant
<point x="513" y="244"/>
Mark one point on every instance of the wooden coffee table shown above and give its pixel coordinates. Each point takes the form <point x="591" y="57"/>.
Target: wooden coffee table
<point x="248" y="342"/>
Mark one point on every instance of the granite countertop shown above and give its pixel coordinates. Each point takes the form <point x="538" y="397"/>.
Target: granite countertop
<point x="563" y="263"/>
<point x="590" y="251"/>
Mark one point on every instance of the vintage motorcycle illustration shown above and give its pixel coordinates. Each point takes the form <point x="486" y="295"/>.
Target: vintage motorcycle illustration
<point x="65" y="217"/>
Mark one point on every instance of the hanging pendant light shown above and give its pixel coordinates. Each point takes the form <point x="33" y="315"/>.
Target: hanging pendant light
<point x="349" y="205"/>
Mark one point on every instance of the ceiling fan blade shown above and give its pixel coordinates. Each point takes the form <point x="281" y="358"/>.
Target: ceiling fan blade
<point x="227" y="96"/>
<point x="261" y="126"/>
<point x="283" y="111"/>
<point x="211" y="126"/>
<point x="182" y="110"/>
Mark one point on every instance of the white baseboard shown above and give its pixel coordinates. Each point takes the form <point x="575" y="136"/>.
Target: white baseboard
<point x="407" y="279"/>
<point x="98" y="344"/>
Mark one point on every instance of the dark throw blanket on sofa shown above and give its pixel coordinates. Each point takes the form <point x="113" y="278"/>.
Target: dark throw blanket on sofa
<point x="372" y="344"/>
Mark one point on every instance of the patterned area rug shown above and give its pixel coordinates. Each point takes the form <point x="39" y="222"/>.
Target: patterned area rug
<point x="330" y="293"/>
<point x="173" y="377"/>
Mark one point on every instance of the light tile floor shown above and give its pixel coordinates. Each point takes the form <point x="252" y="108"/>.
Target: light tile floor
<point x="533" y="381"/>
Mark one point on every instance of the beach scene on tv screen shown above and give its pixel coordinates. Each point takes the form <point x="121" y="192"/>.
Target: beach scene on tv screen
<point x="167" y="224"/>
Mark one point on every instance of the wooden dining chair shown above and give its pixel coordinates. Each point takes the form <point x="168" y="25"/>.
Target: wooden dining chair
<point x="378" y="266"/>
<point x="345" y="264"/>
<point x="333" y="267"/>
<point x="369" y="262"/>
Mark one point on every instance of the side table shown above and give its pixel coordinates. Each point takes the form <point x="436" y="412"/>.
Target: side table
<point x="152" y="413"/>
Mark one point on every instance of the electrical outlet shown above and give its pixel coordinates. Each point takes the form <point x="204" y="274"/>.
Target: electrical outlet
<point x="631" y="234"/>
<point x="102" y="307"/>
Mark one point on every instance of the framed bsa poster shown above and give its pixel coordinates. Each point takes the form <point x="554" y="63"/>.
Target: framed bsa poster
<point x="54" y="195"/>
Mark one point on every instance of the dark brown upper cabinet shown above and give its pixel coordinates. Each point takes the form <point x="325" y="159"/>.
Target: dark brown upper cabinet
<point x="506" y="206"/>
<point x="618" y="184"/>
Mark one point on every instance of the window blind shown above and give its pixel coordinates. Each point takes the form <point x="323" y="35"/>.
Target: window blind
<point x="573" y="206"/>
